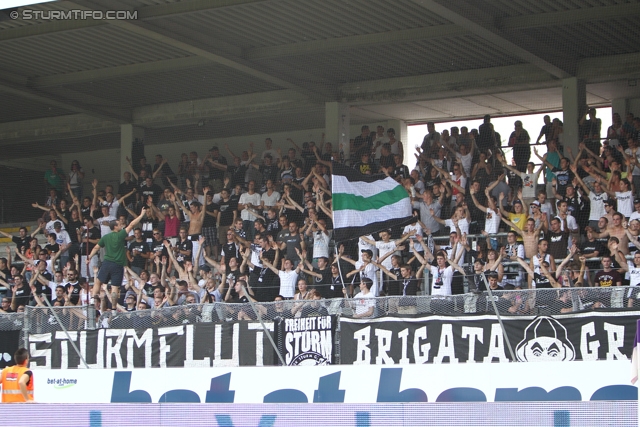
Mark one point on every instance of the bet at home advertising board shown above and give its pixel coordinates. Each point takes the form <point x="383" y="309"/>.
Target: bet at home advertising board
<point x="445" y="383"/>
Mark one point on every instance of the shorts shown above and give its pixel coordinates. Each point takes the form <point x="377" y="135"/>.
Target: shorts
<point x="111" y="271"/>
<point x="222" y="232"/>
<point x="210" y="236"/>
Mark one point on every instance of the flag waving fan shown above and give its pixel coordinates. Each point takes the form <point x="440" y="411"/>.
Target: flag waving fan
<point x="364" y="204"/>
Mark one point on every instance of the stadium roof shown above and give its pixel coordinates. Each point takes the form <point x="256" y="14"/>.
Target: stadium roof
<point x="244" y="67"/>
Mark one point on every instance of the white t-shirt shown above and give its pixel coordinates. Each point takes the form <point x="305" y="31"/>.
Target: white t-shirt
<point x="104" y="224"/>
<point x="370" y="272"/>
<point x="467" y="162"/>
<point x="492" y="221"/>
<point x="49" y="228"/>
<point x="269" y="200"/>
<point x="320" y="245"/>
<point x="463" y="225"/>
<point x="288" y="281"/>
<point x="411" y="228"/>
<point x="441" y="284"/>
<point x="597" y="211"/>
<point x="383" y="249"/>
<point x="364" y="302"/>
<point x="245" y="198"/>
<point x="571" y="222"/>
<point x="529" y="184"/>
<point x="625" y="202"/>
<point x="383" y="140"/>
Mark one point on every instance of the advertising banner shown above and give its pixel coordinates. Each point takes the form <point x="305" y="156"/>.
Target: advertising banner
<point x="200" y="345"/>
<point x="465" y="382"/>
<point x="598" y="335"/>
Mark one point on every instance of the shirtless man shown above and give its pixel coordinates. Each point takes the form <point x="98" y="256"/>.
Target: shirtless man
<point x="195" y="215"/>
<point x="617" y="231"/>
<point x="530" y="234"/>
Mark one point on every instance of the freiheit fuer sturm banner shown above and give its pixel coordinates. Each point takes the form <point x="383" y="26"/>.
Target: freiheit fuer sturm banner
<point x="307" y="340"/>
<point x="601" y="335"/>
<point x="227" y="344"/>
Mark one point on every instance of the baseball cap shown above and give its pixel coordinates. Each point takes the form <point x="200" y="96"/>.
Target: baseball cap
<point x="536" y="203"/>
<point x="57" y="224"/>
<point x="636" y="201"/>
<point x="517" y="201"/>
<point x="130" y="294"/>
<point x="205" y="268"/>
<point x="609" y="202"/>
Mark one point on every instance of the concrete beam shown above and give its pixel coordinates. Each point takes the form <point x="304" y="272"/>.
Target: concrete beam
<point x="235" y="64"/>
<point x="608" y="68"/>
<point x="57" y="102"/>
<point x="449" y="84"/>
<point x="568" y="17"/>
<point x="114" y="72"/>
<point x="218" y="108"/>
<point x="315" y="46"/>
<point x="487" y="33"/>
<point x="73" y="125"/>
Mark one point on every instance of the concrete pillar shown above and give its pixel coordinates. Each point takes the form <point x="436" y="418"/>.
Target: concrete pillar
<point x="620" y="106"/>
<point x="336" y="128"/>
<point x="574" y="102"/>
<point x="128" y="133"/>
<point x="400" y="126"/>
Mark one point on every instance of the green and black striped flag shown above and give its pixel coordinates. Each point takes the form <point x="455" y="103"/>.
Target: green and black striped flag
<point x="365" y="204"/>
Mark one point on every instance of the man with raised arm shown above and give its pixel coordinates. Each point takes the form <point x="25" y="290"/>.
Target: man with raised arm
<point x="115" y="258"/>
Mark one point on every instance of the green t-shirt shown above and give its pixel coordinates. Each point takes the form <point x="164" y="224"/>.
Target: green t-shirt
<point x="114" y="249"/>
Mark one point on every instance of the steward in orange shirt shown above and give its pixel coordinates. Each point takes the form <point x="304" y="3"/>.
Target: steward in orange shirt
<point x="17" y="380"/>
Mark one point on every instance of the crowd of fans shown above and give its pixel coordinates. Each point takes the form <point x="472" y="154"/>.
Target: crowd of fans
<point x="258" y="227"/>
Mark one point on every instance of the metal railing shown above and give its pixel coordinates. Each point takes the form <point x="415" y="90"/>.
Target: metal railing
<point x="522" y="302"/>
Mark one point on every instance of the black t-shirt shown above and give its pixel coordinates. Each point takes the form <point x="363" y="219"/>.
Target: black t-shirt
<point x="21" y="243"/>
<point x="587" y="248"/>
<point x="558" y="244"/>
<point x="324" y="284"/>
<point x="230" y="250"/>
<point x="22" y="294"/>
<point x="143" y="248"/>
<point x="154" y="191"/>
<point x="541" y="281"/>
<point x="269" y="172"/>
<point x="210" y="221"/>
<point x="52" y="248"/>
<point x="186" y="245"/>
<point x="73" y="291"/>
<point x="158" y="247"/>
<point x="72" y="228"/>
<point x="43" y="289"/>
<point x="564" y="179"/>
<point x="313" y="309"/>
<point x="94" y="233"/>
<point x="237" y="174"/>
<point x="125" y="188"/>
<point x="226" y="211"/>
<point x="215" y="173"/>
